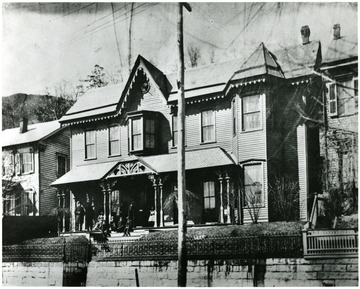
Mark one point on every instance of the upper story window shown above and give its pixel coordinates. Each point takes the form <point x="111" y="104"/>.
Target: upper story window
<point x="175" y="130"/>
<point x="251" y="113"/>
<point x="234" y="116"/>
<point x="143" y="131"/>
<point x="90" y="144"/>
<point x="343" y="98"/>
<point x="114" y="140"/>
<point x="24" y="163"/>
<point x="207" y="126"/>
<point x="209" y="195"/>
<point x="253" y="182"/>
<point x="61" y="165"/>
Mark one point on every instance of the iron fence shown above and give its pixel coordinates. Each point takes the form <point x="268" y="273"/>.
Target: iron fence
<point x="51" y="252"/>
<point x="208" y="247"/>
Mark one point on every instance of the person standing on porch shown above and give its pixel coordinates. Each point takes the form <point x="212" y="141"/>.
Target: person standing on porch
<point x="79" y="216"/>
<point x="89" y="217"/>
<point x="151" y="219"/>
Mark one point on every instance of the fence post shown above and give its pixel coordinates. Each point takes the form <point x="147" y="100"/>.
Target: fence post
<point x="305" y="248"/>
<point x="64" y="251"/>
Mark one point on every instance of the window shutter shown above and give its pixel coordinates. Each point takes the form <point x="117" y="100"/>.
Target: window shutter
<point x="333" y="106"/>
<point x="17" y="164"/>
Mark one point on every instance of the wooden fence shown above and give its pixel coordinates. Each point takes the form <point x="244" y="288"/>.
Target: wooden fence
<point x="330" y="243"/>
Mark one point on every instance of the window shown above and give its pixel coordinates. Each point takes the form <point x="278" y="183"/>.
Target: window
<point x="114" y="140"/>
<point x="251" y="114"/>
<point x="253" y="182"/>
<point x="150" y="133"/>
<point x="208" y="126"/>
<point x="175" y="130"/>
<point x="8" y="164"/>
<point x="61" y="165"/>
<point x="136" y="134"/>
<point x="343" y="97"/>
<point x="90" y="144"/>
<point x="234" y="116"/>
<point x="24" y="163"/>
<point x="209" y="195"/>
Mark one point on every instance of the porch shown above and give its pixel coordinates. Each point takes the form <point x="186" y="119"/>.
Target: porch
<point x="134" y="187"/>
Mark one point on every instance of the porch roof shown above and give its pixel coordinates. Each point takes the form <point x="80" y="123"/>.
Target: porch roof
<point x="196" y="159"/>
<point x="87" y="173"/>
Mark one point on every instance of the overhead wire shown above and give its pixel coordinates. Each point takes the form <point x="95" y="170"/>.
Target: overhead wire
<point x="71" y="12"/>
<point x="119" y="20"/>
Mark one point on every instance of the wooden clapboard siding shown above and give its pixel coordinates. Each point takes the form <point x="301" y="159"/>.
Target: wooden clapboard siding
<point x="303" y="167"/>
<point x="223" y="127"/>
<point x="56" y="144"/>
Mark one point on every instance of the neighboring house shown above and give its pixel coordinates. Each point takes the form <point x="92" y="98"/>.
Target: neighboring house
<point x="247" y="121"/>
<point x="33" y="157"/>
<point x="340" y="146"/>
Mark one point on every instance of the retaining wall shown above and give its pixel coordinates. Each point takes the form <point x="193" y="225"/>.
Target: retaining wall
<point x="32" y="273"/>
<point x="201" y="273"/>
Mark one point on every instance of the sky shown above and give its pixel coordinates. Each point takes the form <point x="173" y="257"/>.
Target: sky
<point x="46" y="44"/>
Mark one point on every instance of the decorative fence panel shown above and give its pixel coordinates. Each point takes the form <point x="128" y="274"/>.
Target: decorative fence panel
<point x="214" y="247"/>
<point x="330" y="243"/>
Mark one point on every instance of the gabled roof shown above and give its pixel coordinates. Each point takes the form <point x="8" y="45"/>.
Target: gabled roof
<point x="341" y="50"/>
<point x="95" y="102"/>
<point x="299" y="60"/>
<point x="205" y="79"/>
<point x="260" y="62"/>
<point x="35" y="132"/>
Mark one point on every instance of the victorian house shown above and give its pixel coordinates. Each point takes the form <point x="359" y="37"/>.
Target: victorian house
<point x="339" y="138"/>
<point x="247" y="121"/>
<point x="33" y="156"/>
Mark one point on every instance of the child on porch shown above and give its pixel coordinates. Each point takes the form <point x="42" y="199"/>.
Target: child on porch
<point x="127" y="227"/>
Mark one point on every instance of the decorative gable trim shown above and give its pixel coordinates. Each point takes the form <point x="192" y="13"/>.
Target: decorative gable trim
<point x="130" y="168"/>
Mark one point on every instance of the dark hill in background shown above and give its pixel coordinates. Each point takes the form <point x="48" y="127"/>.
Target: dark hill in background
<point x="37" y="108"/>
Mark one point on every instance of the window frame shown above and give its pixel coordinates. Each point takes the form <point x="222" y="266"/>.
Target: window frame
<point x="202" y="141"/>
<point x="234" y="116"/>
<point x="149" y="133"/>
<point x="59" y="155"/>
<point x="207" y="198"/>
<point x="174" y="120"/>
<point x="259" y="111"/>
<point x="19" y="163"/>
<point x="110" y="141"/>
<point x="88" y="144"/>
<point x="261" y="167"/>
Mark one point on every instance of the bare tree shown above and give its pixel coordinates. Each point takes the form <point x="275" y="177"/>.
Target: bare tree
<point x="193" y="55"/>
<point x="284" y="198"/>
<point x="253" y="201"/>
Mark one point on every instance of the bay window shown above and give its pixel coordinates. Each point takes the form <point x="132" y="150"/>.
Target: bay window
<point x="253" y="183"/>
<point x="114" y="140"/>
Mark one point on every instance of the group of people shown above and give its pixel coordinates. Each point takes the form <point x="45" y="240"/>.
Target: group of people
<point x="123" y="223"/>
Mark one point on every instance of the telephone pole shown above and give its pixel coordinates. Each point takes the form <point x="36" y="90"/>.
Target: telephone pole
<point x="182" y="252"/>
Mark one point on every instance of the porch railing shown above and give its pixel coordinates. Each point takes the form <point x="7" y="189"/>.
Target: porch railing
<point x="214" y="247"/>
<point x="330" y="243"/>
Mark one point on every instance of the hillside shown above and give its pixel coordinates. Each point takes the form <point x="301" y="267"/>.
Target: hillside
<point x="37" y="108"/>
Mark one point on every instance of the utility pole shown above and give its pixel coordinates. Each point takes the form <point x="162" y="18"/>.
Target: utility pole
<point x="130" y="31"/>
<point x="182" y="252"/>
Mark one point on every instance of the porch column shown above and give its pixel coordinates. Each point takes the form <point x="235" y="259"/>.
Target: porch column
<point x="34" y="203"/>
<point x="58" y="211"/>
<point x="161" y="203"/>
<point x="72" y="210"/>
<point x="227" y="178"/>
<point x="153" y="179"/>
<point x="109" y="204"/>
<point x="104" y="191"/>
<point x="63" y="215"/>
<point x="221" y="200"/>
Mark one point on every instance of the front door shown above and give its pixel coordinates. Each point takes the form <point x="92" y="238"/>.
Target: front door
<point x="210" y="214"/>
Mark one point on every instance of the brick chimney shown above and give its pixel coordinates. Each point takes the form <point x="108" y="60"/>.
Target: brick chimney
<point x="23" y="125"/>
<point x="305" y="34"/>
<point x="336" y="31"/>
